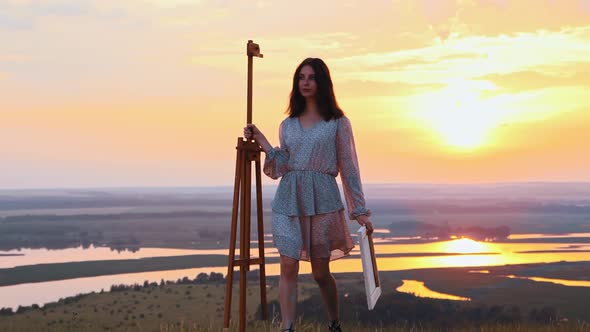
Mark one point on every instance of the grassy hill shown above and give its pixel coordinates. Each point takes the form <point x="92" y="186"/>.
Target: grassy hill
<point x="197" y="305"/>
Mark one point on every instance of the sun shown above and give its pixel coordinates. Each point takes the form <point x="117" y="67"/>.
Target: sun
<point x="465" y="246"/>
<point x="458" y="114"/>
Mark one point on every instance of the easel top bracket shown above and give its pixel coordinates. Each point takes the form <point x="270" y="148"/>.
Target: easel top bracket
<point x="252" y="49"/>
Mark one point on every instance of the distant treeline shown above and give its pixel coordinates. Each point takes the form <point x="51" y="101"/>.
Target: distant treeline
<point x="104" y="200"/>
<point x="438" y="206"/>
<point x="114" y="216"/>
<point x="61" y="237"/>
<point x="117" y="231"/>
<point x="380" y="205"/>
<point x="430" y="231"/>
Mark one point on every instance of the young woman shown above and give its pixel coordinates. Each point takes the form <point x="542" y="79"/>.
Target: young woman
<point x="308" y="222"/>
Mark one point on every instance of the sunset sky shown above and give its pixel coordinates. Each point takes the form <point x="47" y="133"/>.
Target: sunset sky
<point x="97" y="93"/>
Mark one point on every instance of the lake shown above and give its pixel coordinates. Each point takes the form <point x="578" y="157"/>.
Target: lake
<point x="391" y="257"/>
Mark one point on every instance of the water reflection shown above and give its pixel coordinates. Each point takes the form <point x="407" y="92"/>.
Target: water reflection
<point x="417" y="288"/>
<point x="506" y="253"/>
<point x="544" y="236"/>
<point x="467" y="246"/>
<point x="574" y="283"/>
<point x="79" y="254"/>
<point x="51" y="291"/>
<point x="510" y="253"/>
<point x="472" y="253"/>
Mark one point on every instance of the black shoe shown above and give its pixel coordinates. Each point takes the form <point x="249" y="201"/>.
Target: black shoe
<point x="335" y="326"/>
<point x="289" y="329"/>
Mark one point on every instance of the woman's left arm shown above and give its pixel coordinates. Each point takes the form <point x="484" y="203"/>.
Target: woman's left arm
<point x="348" y="168"/>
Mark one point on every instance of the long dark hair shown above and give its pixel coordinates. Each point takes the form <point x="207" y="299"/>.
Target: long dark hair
<point x="326" y="100"/>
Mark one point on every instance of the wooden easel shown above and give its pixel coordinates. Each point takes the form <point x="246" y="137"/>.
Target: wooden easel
<point x="247" y="152"/>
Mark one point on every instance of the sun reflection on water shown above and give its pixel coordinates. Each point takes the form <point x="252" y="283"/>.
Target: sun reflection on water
<point x="419" y="289"/>
<point x="575" y="283"/>
<point x="467" y="246"/>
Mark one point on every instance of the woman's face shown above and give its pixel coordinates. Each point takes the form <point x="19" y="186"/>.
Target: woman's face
<point x="307" y="84"/>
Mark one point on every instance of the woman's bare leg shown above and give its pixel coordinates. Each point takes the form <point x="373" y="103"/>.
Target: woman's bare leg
<point x="321" y="273"/>
<point x="288" y="289"/>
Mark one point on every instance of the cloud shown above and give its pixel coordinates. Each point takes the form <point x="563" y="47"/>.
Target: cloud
<point x="417" y="61"/>
<point x="28" y="15"/>
<point x="13" y="21"/>
<point x="532" y="80"/>
<point x="475" y="56"/>
<point x="62" y="8"/>
<point x="35" y="9"/>
<point x="495" y="17"/>
<point x="357" y="88"/>
<point x="179" y="3"/>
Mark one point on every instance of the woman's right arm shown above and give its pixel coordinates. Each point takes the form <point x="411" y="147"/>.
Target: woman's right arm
<point x="277" y="158"/>
<point x="252" y="132"/>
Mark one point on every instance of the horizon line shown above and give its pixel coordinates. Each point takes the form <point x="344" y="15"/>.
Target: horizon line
<point x="148" y="187"/>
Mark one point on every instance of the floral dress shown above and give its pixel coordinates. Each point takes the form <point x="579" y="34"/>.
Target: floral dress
<point x="308" y="219"/>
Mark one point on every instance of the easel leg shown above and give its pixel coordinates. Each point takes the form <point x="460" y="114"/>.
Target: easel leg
<point x="247" y="152"/>
<point x="244" y="239"/>
<point x="232" y="241"/>
<point x="260" y="238"/>
<point x="248" y="208"/>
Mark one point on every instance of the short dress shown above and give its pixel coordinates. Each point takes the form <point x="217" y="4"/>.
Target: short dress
<point x="308" y="219"/>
